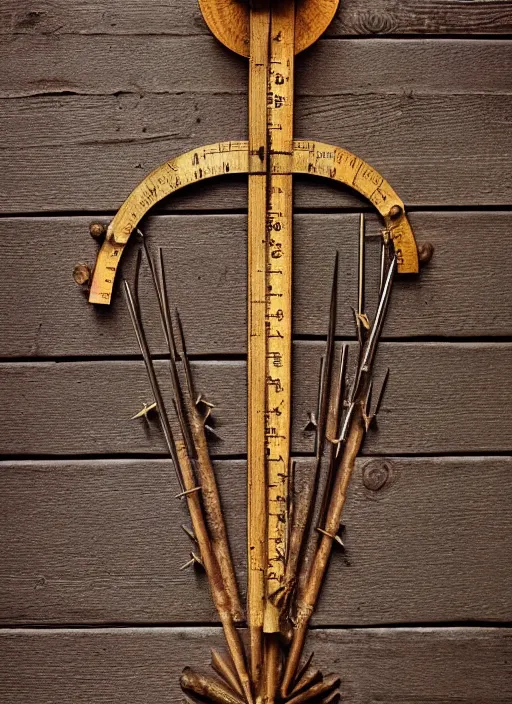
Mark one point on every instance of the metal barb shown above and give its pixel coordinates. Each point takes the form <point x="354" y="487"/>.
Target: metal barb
<point x="189" y="532"/>
<point x="312" y="423"/>
<point x="150" y="369"/>
<point x="145" y="411"/>
<point x="336" y="537"/>
<point x="197" y="559"/>
<point x="187" y="492"/>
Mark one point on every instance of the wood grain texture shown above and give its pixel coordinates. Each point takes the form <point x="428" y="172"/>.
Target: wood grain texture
<point x="100" y="542"/>
<point x="440" y="398"/>
<point x="460" y="293"/>
<point x="183" y="18"/>
<point x="377" y="665"/>
<point x="82" y="65"/>
<point x="150" y="112"/>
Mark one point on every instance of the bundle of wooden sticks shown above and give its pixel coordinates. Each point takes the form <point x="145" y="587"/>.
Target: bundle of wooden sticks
<point x="344" y="415"/>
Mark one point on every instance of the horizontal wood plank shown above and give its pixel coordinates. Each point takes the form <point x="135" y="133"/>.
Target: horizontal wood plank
<point x="66" y="151"/>
<point x="460" y="293"/>
<point x="100" y="542"/>
<point x="354" y="17"/>
<point x="83" y="65"/>
<point x="440" y="398"/>
<point x="116" y="666"/>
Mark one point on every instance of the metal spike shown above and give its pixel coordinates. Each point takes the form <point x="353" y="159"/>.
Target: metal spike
<point x="383" y="251"/>
<point x="357" y="324"/>
<point x="368" y="354"/>
<point x="336" y="422"/>
<point x="186" y="362"/>
<point x="311" y="425"/>
<point x="368" y="401"/>
<point x="381" y="393"/>
<point x="212" y="432"/>
<point x="202" y="401"/>
<point x="189" y="532"/>
<point x="150" y="369"/>
<point x="146" y="410"/>
<point x="187" y="492"/>
<point x="160" y="285"/>
<point x="325" y="383"/>
<point x="187" y="564"/>
<point x="138" y="262"/>
<point x="376" y="329"/>
<point x="166" y="309"/>
<point x="197" y="559"/>
<point x="361" y="278"/>
<point x="336" y="537"/>
<point x="324" y="393"/>
<point x="154" y="279"/>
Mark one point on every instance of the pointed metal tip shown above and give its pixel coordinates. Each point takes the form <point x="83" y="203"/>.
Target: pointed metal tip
<point x="190" y="533"/>
<point x="187" y="564"/>
<point x="146" y="410"/>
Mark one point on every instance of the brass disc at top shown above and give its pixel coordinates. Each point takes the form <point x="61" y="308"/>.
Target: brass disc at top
<point x="228" y="20"/>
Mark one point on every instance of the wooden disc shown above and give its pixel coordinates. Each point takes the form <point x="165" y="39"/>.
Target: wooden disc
<point x="228" y="20"/>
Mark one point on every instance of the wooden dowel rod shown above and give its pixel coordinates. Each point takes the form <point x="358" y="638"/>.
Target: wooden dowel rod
<point x="219" y="595"/>
<point x="317" y="690"/>
<point x="222" y="665"/>
<point x="320" y="562"/>
<point x="208" y="688"/>
<point x="256" y="341"/>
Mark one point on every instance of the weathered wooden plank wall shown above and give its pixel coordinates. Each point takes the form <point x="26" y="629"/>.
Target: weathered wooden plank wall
<point x="89" y="526"/>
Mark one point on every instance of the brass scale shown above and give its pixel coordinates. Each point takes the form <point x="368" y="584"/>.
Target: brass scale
<point x="269" y="33"/>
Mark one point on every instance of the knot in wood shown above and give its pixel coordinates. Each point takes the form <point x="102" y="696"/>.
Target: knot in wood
<point x="376" y="475"/>
<point x="372" y="22"/>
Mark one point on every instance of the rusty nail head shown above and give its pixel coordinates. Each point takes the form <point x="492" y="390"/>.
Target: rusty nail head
<point x="425" y="252"/>
<point x="81" y="274"/>
<point x="97" y="230"/>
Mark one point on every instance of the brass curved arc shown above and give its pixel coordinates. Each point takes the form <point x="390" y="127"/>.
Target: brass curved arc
<point x="310" y="157"/>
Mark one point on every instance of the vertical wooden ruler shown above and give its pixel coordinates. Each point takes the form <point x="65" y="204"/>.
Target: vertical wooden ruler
<point x="269" y="311"/>
<point x="279" y="295"/>
<point x="256" y="344"/>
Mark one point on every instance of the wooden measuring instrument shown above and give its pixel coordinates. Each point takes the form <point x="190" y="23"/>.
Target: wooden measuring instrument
<point x="269" y="33"/>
